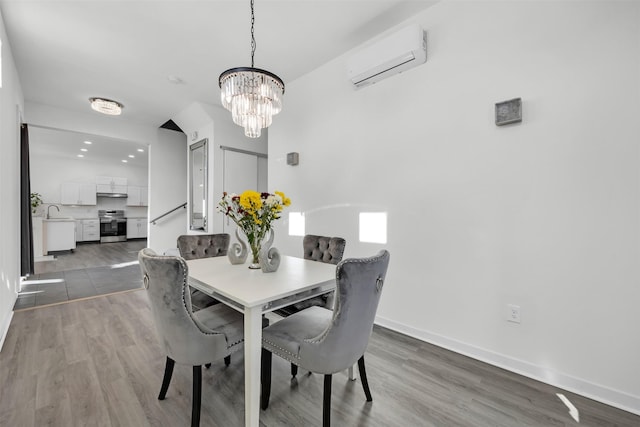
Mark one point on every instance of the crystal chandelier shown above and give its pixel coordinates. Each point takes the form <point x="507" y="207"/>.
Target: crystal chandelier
<point x="252" y="95"/>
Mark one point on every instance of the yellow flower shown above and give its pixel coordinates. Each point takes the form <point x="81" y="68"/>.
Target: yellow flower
<point x="250" y="201"/>
<point x="285" y="200"/>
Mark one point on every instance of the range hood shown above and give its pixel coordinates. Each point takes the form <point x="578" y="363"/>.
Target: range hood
<point x="113" y="195"/>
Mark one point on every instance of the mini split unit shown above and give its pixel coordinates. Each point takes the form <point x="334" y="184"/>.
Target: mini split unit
<point x="390" y="55"/>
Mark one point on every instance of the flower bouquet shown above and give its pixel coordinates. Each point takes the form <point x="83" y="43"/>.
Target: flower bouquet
<point x="254" y="212"/>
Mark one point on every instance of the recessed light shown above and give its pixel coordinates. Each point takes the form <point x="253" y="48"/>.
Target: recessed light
<point x="80" y="155"/>
<point x="83" y="149"/>
<point x="140" y="150"/>
<point x="124" y="161"/>
<point x="131" y="156"/>
<point x="88" y="142"/>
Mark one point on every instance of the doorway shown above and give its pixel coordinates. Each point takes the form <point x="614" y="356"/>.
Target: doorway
<point x="243" y="170"/>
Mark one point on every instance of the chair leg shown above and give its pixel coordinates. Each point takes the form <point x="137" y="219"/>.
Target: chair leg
<point x="168" y="371"/>
<point x="197" y="396"/>
<point x="265" y="378"/>
<point x="326" y="402"/>
<point x="294" y="370"/>
<point x="363" y="378"/>
<point x="227" y="360"/>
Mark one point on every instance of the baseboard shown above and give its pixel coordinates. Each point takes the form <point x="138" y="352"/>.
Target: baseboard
<point x="606" y="395"/>
<point x="6" y="323"/>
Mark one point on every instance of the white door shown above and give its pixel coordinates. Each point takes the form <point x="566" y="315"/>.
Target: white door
<point x="243" y="171"/>
<point x="240" y="172"/>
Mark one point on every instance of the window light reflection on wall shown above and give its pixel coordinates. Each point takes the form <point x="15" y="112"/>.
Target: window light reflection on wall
<point x="373" y="227"/>
<point x="296" y="224"/>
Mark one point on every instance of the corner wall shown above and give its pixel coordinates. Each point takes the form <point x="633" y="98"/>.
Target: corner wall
<point x="199" y="121"/>
<point x="167" y="183"/>
<point x="543" y="214"/>
<point x="11" y="105"/>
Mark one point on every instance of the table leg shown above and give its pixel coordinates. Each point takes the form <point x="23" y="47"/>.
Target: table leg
<point x="352" y="374"/>
<point x="252" y="351"/>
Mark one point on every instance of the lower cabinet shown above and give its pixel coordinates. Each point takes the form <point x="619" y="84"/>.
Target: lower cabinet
<point x="59" y="235"/>
<point x="136" y="228"/>
<point x="87" y="230"/>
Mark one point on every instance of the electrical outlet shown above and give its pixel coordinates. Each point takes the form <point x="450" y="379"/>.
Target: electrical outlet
<point x="513" y="313"/>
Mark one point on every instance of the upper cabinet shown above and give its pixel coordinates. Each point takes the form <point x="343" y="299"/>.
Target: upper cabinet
<point x="75" y="193"/>
<point x="111" y="184"/>
<point x="137" y="196"/>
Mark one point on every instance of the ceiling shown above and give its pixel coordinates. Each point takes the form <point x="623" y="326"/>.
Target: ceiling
<point x="52" y="143"/>
<point x="130" y="50"/>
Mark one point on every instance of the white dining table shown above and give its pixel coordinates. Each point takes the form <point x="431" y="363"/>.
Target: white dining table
<point x="254" y="293"/>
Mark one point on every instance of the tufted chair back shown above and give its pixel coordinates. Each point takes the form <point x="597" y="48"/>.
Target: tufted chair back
<point x="323" y="249"/>
<point x="195" y="246"/>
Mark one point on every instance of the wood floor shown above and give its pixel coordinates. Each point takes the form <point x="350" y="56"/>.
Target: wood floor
<point x="97" y="362"/>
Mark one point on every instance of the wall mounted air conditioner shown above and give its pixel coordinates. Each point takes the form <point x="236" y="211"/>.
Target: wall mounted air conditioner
<point x="391" y="55"/>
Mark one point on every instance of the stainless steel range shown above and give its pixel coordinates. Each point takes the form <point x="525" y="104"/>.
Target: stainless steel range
<point x="113" y="226"/>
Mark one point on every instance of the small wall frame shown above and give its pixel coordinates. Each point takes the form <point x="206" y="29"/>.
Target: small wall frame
<point x="509" y="112"/>
<point x="292" y="159"/>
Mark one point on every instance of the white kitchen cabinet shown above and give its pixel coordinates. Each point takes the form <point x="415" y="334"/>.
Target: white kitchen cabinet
<point x="87" y="230"/>
<point x="111" y="184"/>
<point x="38" y="231"/>
<point x="137" y="196"/>
<point x="90" y="230"/>
<point x="78" y="230"/>
<point x="75" y="193"/>
<point x="136" y="228"/>
<point x="59" y="235"/>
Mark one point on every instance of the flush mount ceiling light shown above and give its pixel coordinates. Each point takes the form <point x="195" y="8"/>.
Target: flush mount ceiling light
<point x="106" y="106"/>
<point x="252" y="95"/>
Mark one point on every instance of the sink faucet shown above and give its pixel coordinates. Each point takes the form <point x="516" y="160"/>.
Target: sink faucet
<point x="49" y="207"/>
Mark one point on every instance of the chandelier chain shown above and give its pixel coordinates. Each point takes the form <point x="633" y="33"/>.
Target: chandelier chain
<point x="253" y="38"/>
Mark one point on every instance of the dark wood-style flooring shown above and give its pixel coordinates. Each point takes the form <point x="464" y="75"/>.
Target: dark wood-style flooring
<point x="97" y="362"/>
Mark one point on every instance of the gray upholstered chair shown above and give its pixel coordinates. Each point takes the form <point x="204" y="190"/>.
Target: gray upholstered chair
<point x="194" y="246"/>
<point x="188" y="338"/>
<point x="324" y="341"/>
<point x="322" y="249"/>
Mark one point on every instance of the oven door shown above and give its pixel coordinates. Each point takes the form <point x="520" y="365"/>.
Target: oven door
<point x="113" y="230"/>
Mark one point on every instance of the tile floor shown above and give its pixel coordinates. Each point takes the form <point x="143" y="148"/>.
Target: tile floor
<point x="56" y="287"/>
<point x="52" y="287"/>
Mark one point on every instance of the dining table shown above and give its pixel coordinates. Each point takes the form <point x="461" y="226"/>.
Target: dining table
<point x="254" y="293"/>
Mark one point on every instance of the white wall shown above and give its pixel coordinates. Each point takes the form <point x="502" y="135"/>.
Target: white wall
<point x="542" y="214"/>
<point x="167" y="183"/>
<point x="11" y="102"/>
